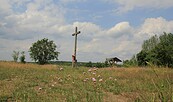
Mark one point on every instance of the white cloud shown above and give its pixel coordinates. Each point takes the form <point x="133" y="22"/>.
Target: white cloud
<point x="128" y="5"/>
<point x="88" y="30"/>
<point x="95" y="43"/>
<point x="34" y="20"/>
<point x="123" y="40"/>
<point x="42" y="18"/>
<point x="154" y="26"/>
<point x="122" y="28"/>
<point x="8" y="46"/>
<point x="111" y="42"/>
<point x="5" y="8"/>
<point x="68" y="1"/>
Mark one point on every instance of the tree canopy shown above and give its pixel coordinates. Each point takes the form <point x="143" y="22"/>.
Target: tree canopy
<point x="157" y="50"/>
<point x="43" y="51"/>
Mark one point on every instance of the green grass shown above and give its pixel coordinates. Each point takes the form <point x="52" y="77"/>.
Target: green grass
<point x="47" y="83"/>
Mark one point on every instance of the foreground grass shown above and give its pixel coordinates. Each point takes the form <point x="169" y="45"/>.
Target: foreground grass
<point x="36" y="83"/>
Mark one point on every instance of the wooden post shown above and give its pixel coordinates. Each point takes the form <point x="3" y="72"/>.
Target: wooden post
<point x="74" y="59"/>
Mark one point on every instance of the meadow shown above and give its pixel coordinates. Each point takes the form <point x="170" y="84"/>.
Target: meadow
<point x="57" y="83"/>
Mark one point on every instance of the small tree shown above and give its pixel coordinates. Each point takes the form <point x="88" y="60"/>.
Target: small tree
<point x="43" y="51"/>
<point x="131" y="63"/>
<point x="164" y="50"/>
<point x="22" y="57"/>
<point x="15" y="55"/>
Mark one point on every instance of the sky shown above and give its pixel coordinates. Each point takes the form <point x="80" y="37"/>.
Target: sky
<point x="109" y="28"/>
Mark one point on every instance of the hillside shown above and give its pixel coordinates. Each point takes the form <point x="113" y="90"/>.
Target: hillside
<point x="54" y="83"/>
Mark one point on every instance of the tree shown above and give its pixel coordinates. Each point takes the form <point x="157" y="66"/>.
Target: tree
<point x="157" y="50"/>
<point x="43" y="51"/>
<point x="141" y="58"/>
<point x="147" y="54"/>
<point x="15" y="55"/>
<point x="150" y="44"/>
<point x="164" y="50"/>
<point x="22" y="57"/>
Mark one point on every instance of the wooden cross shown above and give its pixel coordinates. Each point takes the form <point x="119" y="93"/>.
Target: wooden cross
<point x="74" y="60"/>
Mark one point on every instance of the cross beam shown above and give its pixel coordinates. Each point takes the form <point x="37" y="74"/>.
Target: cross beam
<point x="74" y="60"/>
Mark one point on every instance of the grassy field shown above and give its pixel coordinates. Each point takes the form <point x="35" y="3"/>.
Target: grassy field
<point x="53" y="83"/>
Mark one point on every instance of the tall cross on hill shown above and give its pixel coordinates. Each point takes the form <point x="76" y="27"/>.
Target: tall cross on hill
<point x="74" y="60"/>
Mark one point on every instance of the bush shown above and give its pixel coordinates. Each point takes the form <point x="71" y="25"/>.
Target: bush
<point x="22" y="57"/>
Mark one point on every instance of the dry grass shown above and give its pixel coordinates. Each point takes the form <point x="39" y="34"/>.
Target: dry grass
<point x="25" y="66"/>
<point x="32" y="82"/>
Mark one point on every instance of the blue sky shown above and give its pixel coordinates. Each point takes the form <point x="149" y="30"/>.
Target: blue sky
<point x="104" y="14"/>
<point x="108" y="27"/>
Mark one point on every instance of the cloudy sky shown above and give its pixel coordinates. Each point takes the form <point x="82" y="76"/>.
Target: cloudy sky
<point x="108" y="27"/>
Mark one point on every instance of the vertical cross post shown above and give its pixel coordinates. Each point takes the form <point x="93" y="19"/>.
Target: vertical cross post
<point x="74" y="60"/>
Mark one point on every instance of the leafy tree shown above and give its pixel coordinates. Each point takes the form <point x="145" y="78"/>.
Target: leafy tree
<point x="43" y="51"/>
<point x="106" y="64"/>
<point x="150" y="44"/>
<point x="147" y="54"/>
<point x="164" y="50"/>
<point x="141" y="57"/>
<point x="15" y="55"/>
<point x="22" y="57"/>
<point x="157" y="50"/>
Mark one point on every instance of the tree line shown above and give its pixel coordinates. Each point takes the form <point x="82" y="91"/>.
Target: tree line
<point x="157" y="50"/>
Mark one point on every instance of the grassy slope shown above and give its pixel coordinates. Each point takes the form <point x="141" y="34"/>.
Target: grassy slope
<point x="30" y="82"/>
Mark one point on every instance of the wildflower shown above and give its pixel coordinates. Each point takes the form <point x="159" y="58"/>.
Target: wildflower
<point x="98" y="76"/>
<point x="95" y="69"/>
<point x="100" y="80"/>
<point x="94" y="79"/>
<point x="40" y="88"/>
<point x="84" y="80"/>
<point x="61" y="69"/>
<point x="52" y="85"/>
<point x="73" y="82"/>
<point x="89" y="70"/>
<point x="94" y="73"/>
<point x="115" y="79"/>
<point x="110" y="78"/>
